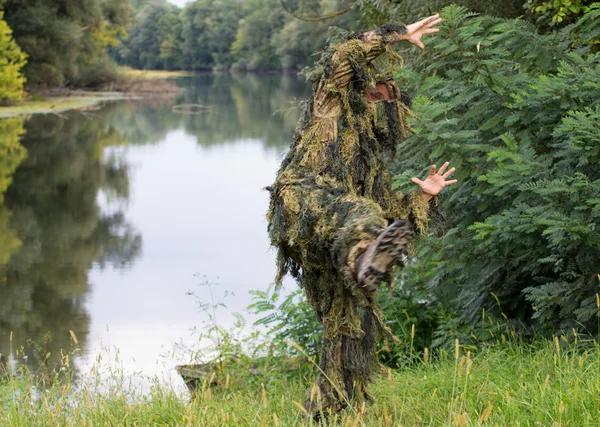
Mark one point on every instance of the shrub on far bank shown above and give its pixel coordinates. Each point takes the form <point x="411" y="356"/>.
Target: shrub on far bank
<point x="12" y="60"/>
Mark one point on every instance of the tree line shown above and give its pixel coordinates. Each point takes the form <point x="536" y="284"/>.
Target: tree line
<point x="225" y="34"/>
<point x="78" y="43"/>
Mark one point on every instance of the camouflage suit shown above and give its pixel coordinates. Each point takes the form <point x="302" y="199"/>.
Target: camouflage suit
<point x="332" y="198"/>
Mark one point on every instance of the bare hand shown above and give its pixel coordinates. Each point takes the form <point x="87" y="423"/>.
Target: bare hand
<point x="435" y="182"/>
<point x="415" y="31"/>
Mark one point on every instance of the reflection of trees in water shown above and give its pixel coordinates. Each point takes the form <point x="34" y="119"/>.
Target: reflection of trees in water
<point x="141" y="122"/>
<point x="241" y="106"/>
<point x="12" y="154"/>
<point x="244" y="106"/>
<point x="51" y="228"/>
<point x="55" y="214"/>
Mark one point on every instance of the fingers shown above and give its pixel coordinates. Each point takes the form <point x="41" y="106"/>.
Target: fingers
<point x="422" y="23"/>
<point x="432" y="171"/>
<point x="433" y="23"/>
<point x="417" y="181"/>
<point x="443" y="168"/>
<point x="429" y="19"/>
<point x="419" y="44"/>
<point x="453" y="181"/>
<point x="450" y="172"/>
<point x="431" y="30"/>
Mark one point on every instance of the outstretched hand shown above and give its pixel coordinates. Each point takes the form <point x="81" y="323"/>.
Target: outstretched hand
<point x="414" y="32"/>
<point x="435" y="182"/>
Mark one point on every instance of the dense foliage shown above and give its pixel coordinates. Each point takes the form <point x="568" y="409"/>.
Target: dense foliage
<point x="517" y="113"/>
<point x="556" y="12"/>
<point x="12" y="59"/>
<point x="263" y="34"/>
<point x="249" y="35"/>
<point x="66" y="41"/>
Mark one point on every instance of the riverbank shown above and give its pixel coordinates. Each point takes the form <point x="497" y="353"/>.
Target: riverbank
<point x="553" y="383"/>
<point x="58" y="104"/>
<point x="134" y="84"/>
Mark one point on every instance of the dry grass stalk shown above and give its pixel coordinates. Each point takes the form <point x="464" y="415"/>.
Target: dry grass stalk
<point x="264" y="396"/>
<point x="486" y="414"/>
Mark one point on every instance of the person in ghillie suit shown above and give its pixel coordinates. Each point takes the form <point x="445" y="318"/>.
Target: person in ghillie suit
<point x="333" y="218"/>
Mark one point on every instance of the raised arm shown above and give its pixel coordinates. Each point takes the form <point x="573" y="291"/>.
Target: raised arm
<point x="370" y="45"/>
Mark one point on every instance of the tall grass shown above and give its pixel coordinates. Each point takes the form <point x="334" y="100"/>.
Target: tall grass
<point x="548" y="383"/>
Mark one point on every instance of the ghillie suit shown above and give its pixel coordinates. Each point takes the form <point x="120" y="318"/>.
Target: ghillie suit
<point x="332" y="199"/>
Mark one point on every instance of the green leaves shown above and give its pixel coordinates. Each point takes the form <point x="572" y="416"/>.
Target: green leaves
<point x="289" y="319"/>
<point x="12" y="60"/>
<point x="519" y="111"/>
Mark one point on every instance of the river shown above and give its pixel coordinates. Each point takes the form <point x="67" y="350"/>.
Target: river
<point x="113" y="220"/>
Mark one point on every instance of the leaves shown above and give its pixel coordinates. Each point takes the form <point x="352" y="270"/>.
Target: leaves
<point x="12" y="60"/>
<point x="521" y="113"/>
<point x="289" y="319"/>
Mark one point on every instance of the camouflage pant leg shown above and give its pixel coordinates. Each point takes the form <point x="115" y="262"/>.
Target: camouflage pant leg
<point x="322" y="229"/>
<point x="317" y="222"/>
<point x="362" y="224"/>
<point x="345" y="367"/>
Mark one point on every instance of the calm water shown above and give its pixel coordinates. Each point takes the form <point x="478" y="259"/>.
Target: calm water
<point x="115" y="214"/>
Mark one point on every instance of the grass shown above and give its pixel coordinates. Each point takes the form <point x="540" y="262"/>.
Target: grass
<point x="56" y="104"/>
<point x="154" y="74"/>
<point x="550" y="383"/>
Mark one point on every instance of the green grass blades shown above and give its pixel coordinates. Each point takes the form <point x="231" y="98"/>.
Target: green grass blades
<point x="547" y="383"/>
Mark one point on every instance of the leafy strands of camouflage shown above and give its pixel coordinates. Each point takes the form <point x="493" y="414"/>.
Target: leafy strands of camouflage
<point x="332" y="198"/>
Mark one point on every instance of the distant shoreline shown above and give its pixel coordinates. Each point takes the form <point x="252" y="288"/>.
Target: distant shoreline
<point x="135" y="84"/>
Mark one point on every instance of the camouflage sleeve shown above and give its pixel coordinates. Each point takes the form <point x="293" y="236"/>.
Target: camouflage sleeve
<point x="426" y="216"/>
<point x="355" y="53"/>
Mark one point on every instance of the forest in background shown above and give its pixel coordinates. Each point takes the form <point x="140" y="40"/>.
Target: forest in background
<point x="46" y="44"/>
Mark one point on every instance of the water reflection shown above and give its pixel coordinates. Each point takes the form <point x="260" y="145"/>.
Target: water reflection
<point x="93" y="183"/>
<point x="56" y="217"/>
<point x="244" y="106"/>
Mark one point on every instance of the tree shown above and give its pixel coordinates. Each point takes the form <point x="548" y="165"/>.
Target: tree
<point x="252" y="48"/>
<point x="516" y="112"/>
<point x="12" y="60"/>
<point x="153" y="25"/>
<point x="65" y="41"/>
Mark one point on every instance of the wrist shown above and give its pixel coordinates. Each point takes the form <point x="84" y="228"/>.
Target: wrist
<point x="426" y="197"/>
<point x="398" y="37"/>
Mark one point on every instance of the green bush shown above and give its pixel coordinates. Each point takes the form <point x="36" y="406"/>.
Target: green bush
<point x="98" y="74"/>
<point x="517" y="114"/>
<point x="289" y="319"/>
<point x="12" y="59"/>
<point x="558" y="11"/>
